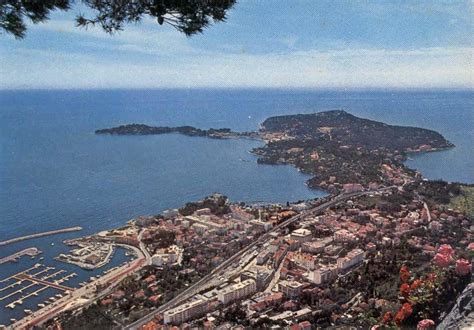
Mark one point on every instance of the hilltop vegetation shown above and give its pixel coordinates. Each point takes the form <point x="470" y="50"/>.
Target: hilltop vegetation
<point x="345" y="129"/>
<point x="338" y="148"/>
<point x="464" y="201"/>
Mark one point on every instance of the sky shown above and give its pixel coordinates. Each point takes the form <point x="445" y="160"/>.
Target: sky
<point x="263" y="44"/>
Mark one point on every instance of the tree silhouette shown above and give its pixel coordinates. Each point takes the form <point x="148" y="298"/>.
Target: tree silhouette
<point x="187" y="16"/>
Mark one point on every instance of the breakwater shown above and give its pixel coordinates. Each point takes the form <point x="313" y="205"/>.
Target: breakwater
<point x="30" y="252"/>
<point x="46" y="233"/>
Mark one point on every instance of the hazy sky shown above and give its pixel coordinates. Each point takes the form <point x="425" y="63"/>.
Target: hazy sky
<point x="264" y="43"/>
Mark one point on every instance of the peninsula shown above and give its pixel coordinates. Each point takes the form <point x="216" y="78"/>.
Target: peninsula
<point x="340" y="150"/>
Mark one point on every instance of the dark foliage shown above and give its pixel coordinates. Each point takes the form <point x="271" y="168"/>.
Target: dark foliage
<point x="91" y="318"/>
<point x="187" y="16"/>
<point x="440" y="192"/>
<point x="348" y="129"/>
<point x="13" y="13"/>
<point x="141" y="129"/>
<point x="217" y="204"/>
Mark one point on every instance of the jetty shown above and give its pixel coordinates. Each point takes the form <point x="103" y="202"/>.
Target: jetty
<point x="46" y="233"/>
<point x="30" y="252"/>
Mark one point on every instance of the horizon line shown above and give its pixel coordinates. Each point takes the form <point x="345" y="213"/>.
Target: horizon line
<point x="243" y="88"/>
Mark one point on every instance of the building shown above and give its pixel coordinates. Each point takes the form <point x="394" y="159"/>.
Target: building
<point x="353" y="258"/>
<point x="168" y="256"/>
<point x="203" y="223"/>
<point x="314" y="247"/>
<point x="352" y="187"/>
<point x="169" y="214"/>
<point x="435" y="225"/>
<point x="261" y="277"/>
<point x="305" y="260"/>
<point x="144" y="221"/>
<point x="185" y="312"/>
<point x="260" y="226"/>
<point x="301" y="235"/>
<point x="263" y="256"/>
<point x="294" y="316"/>
<point x="237" y="291"/>
<point x="344" y="235"/>
<point x="291" y="289"/>
<point x="323" y="274"/>
<point x="92" y="259"/>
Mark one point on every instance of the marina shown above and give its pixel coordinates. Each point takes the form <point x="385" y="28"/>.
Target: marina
<point x="89" y="255"/>
<point x="37" y="286"/>
<point x="33" y="281"/>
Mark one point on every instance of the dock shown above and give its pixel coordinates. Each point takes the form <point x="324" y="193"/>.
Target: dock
<point x="46" y="233"/>
<point x="31" y="282"/>
<point x="30" y="252"/>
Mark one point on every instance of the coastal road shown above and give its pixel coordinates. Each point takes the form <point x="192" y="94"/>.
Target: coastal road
<point x="197" y="287"/>
<point x="143" y="247"/>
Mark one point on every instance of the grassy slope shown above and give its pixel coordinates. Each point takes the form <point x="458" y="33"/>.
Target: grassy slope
<point x="465" y="201"/>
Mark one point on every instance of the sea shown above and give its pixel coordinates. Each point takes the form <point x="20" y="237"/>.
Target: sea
<point x="55" y="172"/>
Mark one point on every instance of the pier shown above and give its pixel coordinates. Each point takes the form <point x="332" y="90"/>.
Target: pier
<point x="35" y="280"/>
<point x="31" y="282"/>
<point x="30" y="252"/>
<point x="46" y="233"/>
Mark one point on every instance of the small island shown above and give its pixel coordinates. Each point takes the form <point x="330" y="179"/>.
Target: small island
<point x="141" y="129"/>
<point x="340" y="151"/>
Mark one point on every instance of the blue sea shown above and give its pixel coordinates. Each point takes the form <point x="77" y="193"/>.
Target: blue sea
<point x="55" y="172"/>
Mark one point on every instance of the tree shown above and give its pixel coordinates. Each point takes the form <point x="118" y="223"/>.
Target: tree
<point x="187" y="16"/>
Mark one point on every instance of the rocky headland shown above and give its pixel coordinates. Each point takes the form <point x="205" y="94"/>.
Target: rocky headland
<point x="340" y="150"/>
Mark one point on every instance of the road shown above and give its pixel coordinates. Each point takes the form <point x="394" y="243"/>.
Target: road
<point x="143" y="247"/>
<point x="195" y="288"/>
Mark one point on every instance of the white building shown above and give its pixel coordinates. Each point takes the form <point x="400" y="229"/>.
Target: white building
<point x="167" y="256"/>
<point x="204" y="223"/>
<point x="301" y="235"/>
<point x="185" y="312"/>
<point x="323" y="274"/>
<point x="291" y="289"/>
<point x="353" y="258"/>
<point x="260" y="225"/>
<point x="237" y="291"/>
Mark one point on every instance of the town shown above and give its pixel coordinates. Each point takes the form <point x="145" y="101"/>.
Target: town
<point x="333" y="266"/>
<point x="386" y="248"/>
